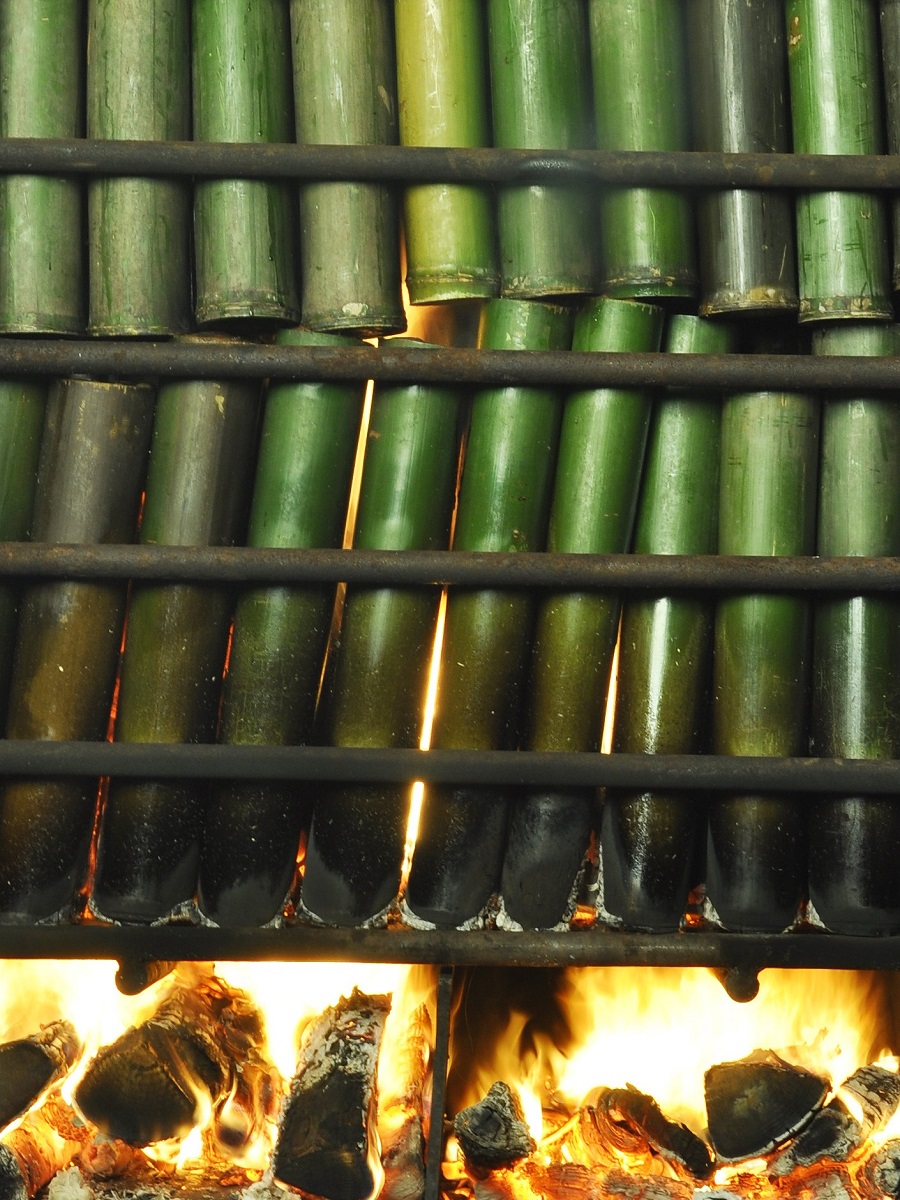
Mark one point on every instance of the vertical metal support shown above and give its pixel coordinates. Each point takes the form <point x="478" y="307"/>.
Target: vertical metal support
<point x="434" y="1149"/>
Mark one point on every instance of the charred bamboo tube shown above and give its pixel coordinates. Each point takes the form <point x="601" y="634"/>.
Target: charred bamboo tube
<point x="138" y="86"/>
<point x="540" y="91"/>
<point x="198" y="482"/>
<point x="856" y="698"/>
<point x="30" y="1065"/>
<point x="842" y="248"/>
<point x="377" y="696"/>
<point x="890" y="56"/>
<point x="641" y="103"/>
<point x="756" y="846"/>
<point x="442" y="89"/>
<point x="252" y="830"/>
<point x="504" y="504"/>
<point x="345" y="93"/>
<point x="649" y="840"/>
<point x="243" y="228"/>
<point x="598" y="473"/>
<point x="42" y="280"/>
<point x="92" y="463"/>
<point x="22" y="405"/>
<point x="739" y="90"/>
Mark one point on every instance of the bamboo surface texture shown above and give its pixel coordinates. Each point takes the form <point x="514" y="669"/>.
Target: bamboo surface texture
<point x="42" y="269"/>
<point x="252" y="830"/>
<point x="890" y="62"/>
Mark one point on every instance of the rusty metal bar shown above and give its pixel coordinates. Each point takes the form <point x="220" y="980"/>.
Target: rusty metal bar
<point x="417" y="164"/>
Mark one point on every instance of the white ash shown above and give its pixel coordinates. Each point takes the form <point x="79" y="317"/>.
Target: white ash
<point x="69" y="1185"/>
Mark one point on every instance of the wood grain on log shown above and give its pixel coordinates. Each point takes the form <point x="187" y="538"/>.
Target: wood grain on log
<point x="31" y="1065"/>
<point x="45" y="1142"/>
<point x="401" y="1113"/>
<point x="632" y="1123"/>
<point x="493" y="1133"/>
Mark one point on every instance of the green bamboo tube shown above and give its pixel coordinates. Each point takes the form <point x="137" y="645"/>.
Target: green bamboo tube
<point x="598" y="473"/>
<point x="138" y="86"/>
<point x="442" y="89"/>
<point x="540" y="90"/>
<point x="853" y="841"/>
<point x="42" y="280"/>
<point x="92" y="462"/>
<point x="243" y="228"/>
<point x="22" y="404"/>
<point x="503" y="505"/>
<point x="201" y="462"/>
<point x="377" y="698"/>
<point x="345" y="93"/>
<point x="842" y="248"/>
<point x="649" y="839"/>
<point x="252" y="830"/>
<point x="890" y="54"/>
<point x="739" y="89"/>
<point x="641" y="103"/>
<point x="756" y="852"/>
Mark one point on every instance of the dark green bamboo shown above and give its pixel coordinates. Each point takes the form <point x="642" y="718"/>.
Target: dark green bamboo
<point x="243" y="228"/>
<point x="377" y="698"/>
<point x="649" y="839"/>
<point x="641" y="103"/>
<point x="138" y="86"/>
<point x="92" y="462"/>
<point x="345" y="92"/>
<point x="890" y="58"/>
<point x="22" y="404"/>
<point x="756" y="850"/>
<point x="842" y="248"/>
<point x="854" y="842"/>
<point x="201" y="463"/>
<point x="442" y="89"/>
<point x="42" y="278"/>
<point x="598" y="473"/>
<point x="540" y="89"/>
<point x="739" y="89"/>
<point x="252" y="830"/>
<point x="504" y="504"/>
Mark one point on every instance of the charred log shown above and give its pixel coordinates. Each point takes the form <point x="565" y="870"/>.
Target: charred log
<point x="574" y="1181"/>
<point x="882" y="1170"/>
<point x="29" y="1066"/>
<point x="401" y="1114"/>
<point x="158" y="1079"/>
<point x="327" y="1139"/>
<point x="493" y="1132"/>
<point x="759" y="1102"/>
<point x="254" y="1100"/>
<point x="632" y="1123"/>
<point x="46" y="1141"/>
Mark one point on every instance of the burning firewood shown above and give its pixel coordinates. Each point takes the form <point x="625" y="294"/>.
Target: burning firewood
<point x="882" y="1170"/>
<point x="401" y="1112"/>
<point x="493" y="1133"/>
<point x="326" y="1140"/>
<point x="45" y="1142"/>
<point x="159" y="1079"/>
<point x="574" y="1181"/>
<point x="757" y="1103"/>
<point x="628" y="1121"/>
<point x="28" y="1066"/>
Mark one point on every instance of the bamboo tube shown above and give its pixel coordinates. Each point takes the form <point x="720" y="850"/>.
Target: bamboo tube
<point x="504" y="504"/>
<point x="641" y="103"/>
<point x="377" y="698"/>
<point x="252" y="830"/>
<point x="442" y="89"/>
<point x="739" y="89"/>
<point x="243" y="228"/>
<point x="890" y="52"/>
<point x="853" y="841"/>
<point x="22" y="405"/>
<point x="345" y="93"/>
<point x="649" y="840"/>
<point x="756" y="852"/>
<point x="598" y="472"/>
<point x="201" y="460"/>
<point x="41" y="243"/>
<point x="138" y="81"/>
<point x="842" y="248"/>
<point x="92" y="462"/>
<point x="540" y="89"/>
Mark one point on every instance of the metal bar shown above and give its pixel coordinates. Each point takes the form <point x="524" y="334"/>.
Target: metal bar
<point x="506" y="768"/>
<point x="446" y="365"/>
<point x="584" y="947"/>
<point x="434" y="1152"/>
<point x="582" y="572"/>
<point x="419" y="164"/>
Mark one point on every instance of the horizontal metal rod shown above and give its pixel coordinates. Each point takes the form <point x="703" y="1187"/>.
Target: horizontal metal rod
<point x="653" y="574"/>
<point x="590" y="947"/>
<point x="508" y="768"/>
<point x="419" y="164"/>
<point x="390" y="363"/>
